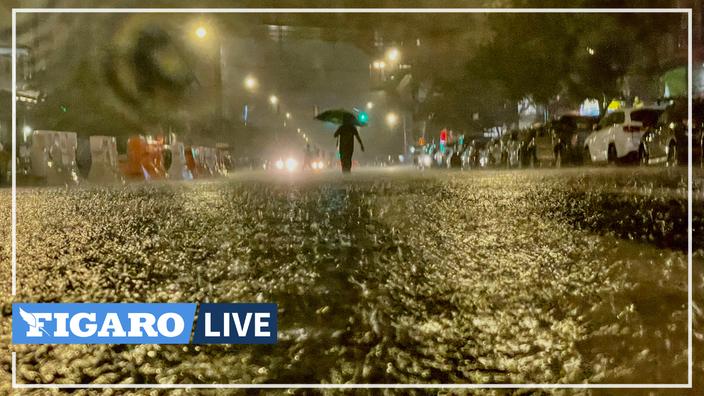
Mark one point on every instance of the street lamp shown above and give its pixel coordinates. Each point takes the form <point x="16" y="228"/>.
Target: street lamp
<point x="250" y="82"/>
<point x="391" y="119"/>
<point x="370" y="105"/>
<point x="393" y="54"/>
<point x="288" y="116"/>
<point x="273" y="100"/>
<point x="201" y="32"/>
<point x="26" y="131"/>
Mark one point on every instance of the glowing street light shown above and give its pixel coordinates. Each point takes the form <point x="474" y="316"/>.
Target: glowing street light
<point x="391" y="119"/>
<point x="26" y="131"/>
<point x="201" y="32"/>
<point x="370" y="105"/>
<point x="378" y="64"/>
<point x="393" y="54"/>
<point x="288" y="116"/>
<point x="590" y="50"/>
<point x="250" y="82"/>
<point x="273" y="99"/>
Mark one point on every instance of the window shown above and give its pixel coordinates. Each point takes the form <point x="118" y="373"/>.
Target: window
<point x="648" y="117"/>
<point x="617" y="117"/>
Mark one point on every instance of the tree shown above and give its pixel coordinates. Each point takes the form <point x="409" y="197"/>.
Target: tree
<point x="576" y="56"/>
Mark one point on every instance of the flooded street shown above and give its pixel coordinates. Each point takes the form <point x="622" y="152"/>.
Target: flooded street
<point x="385" y="276"/>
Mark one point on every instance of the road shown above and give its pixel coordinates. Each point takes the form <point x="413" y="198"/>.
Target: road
<point x="386" y="276"/>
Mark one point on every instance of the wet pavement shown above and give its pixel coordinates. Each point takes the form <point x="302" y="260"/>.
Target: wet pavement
<point x="387" y="276"/>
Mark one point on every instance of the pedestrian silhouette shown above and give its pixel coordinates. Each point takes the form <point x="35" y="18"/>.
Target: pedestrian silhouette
<point x="346" y="134"/>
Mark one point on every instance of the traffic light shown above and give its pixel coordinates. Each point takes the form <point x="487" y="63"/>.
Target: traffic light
<point x="443" y="135"/>
<point x="363" y="117"/>
<point x="443" y="140"/>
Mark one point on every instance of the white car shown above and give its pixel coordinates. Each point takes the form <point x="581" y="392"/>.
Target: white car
<point x="618" y="134"/>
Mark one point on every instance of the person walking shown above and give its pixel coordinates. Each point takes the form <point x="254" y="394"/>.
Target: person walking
<point x="346" y="134"/>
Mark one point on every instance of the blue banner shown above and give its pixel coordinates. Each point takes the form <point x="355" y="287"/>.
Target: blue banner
<point x="236" y="324"/>
<point x="110" y="323"/>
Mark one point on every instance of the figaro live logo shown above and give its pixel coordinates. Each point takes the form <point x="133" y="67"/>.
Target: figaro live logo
<point x="143" y="323"/>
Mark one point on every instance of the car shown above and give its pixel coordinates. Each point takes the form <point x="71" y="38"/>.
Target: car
<point x="454" y="161"/>
<point x="5" y="166"/>
<point x="510" y="148"/>
<point x="507" y="140"/>
<point x="618" y="135"/>
<point x="536" y="146"/>
<point x="668" y="143"/>
<point x="568" y="135"/>
<point x="542" y="146"/>
<point x="493" y="147"/>
<point x="472" y="154"/>
<point x="520" y="149"/>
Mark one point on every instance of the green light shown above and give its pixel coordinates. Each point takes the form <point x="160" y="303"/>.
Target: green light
<point x="63" y="108"/>
<point x="363" y="117"/>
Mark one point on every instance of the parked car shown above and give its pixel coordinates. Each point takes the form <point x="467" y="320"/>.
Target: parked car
<point x="511" y="148"/>
<point x="541" y="146"/>
<point x="667" y="142"/>
<point x="494" y="153"/>
<point x="618" y="135"/>
<point x="521" y="149"/>
<point x="568" y="135"/>
<point x="535" y="146"/>
<point x="507" y="140"/>
<point x="5" y="165"/>
<point x="454" y="161"/>
<point x="472" y="154"/>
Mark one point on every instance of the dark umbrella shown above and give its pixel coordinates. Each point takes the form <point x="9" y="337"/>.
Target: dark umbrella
<point x="338" y="116"/>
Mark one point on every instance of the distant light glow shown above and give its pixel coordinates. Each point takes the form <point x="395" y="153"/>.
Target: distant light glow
<point x="250" y="82"/>
<point x="427" y="161"/>
<point x="201" y="32"/>
<point x="379" y="64"/>
<point x="370" y="105"/>
<point x="27" y="130"/>
<point x="291" y="164"/>
<point x="393" y="54"/>
<point x="273" y="99"/>
<point x="590" y="107"/>
<point x="391" y="119"/>
<point x="279" y="164"/>
<point x="288" y="116"/>
<point x="590" y="50"/>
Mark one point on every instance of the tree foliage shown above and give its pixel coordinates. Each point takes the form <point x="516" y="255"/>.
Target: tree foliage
<point x="572" y="55"/>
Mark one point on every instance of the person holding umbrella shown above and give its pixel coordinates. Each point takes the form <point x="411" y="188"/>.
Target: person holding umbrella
<point x="346" y="134"/>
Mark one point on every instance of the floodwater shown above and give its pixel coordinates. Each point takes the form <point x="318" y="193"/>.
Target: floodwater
<point x="386" y="276"/>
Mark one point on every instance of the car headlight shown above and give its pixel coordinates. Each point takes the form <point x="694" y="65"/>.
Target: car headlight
<point x="279" y="164"/>
<point x="291" y="164"/>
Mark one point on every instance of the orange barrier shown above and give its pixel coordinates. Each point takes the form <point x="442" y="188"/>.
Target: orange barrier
<point x="191" y="161"/>
<point x="145" y="159"/>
